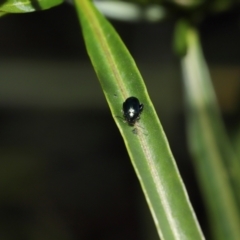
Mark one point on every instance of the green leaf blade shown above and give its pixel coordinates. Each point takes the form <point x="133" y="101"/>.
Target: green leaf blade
<point x="148" y="149"/>
<point x="215" y="160"/>
<point x="26" y="6"/>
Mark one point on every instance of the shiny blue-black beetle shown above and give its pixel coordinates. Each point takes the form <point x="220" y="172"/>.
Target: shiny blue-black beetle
<point x="132" y="109"/>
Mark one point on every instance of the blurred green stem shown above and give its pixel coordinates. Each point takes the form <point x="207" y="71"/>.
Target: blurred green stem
<point x="215" y="163"/>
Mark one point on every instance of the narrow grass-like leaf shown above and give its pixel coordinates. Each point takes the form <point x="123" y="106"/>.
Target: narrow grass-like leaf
<point x="148" y="147"/>
<point x="25" y="6"/>
<point x="216" y="164"/>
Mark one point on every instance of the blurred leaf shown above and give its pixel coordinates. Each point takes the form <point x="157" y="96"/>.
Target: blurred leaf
<point x="216" y="164"/>
<point x="179" y="3"/>
<point x="2" y="14"/>
<point x="25" y="6"/>
<point x="132" y="12"/>
<point x="180" y="37"/>
<point x="148" y="147"/>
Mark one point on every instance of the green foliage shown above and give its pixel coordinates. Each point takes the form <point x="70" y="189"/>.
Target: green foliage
<point x="215" y="160"/>
<point x="148" y="148"/>
<point x="216" y="163"/>
<point x="180" y="37"/>
<point x="16" y="6"/>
